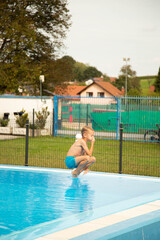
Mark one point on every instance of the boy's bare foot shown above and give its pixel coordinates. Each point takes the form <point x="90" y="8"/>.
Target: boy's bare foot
<point x="74" y="175"/>
<point x="86" y="171"/>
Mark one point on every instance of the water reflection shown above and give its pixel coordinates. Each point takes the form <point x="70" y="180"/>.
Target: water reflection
<point x="79" y="197"/>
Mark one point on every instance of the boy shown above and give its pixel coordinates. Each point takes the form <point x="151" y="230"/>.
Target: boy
<point x="79" y="155"/>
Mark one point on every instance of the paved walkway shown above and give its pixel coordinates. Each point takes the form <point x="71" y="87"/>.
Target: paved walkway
<point x="7" y="137"/>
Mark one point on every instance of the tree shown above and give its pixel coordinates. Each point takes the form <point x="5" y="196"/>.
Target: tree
<point x="132" y="81"/>
<point x="58" y="71"/>
<point x="79" y="69"/>
<point x="91" y="72"/>
<point x="134" y="93"/>
<point x="157" y="82"/>
<point x="106" y="78"/>
<point x="31" y="33"/>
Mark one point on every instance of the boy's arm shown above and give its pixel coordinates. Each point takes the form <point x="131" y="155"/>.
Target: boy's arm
<point x="86" y="149"/>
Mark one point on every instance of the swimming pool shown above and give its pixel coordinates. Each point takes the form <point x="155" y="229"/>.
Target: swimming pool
<point x="38" y="201"/>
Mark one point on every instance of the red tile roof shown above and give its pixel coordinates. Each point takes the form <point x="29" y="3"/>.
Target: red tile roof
<point x="68" y="90"/>
<point x="106" y="86"/>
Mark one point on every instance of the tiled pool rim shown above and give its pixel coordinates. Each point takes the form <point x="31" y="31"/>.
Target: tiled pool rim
<point x="132" y="224"/>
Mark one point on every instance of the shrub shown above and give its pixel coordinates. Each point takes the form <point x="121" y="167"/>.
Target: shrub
<point x="4" y="122"/>
<point x="41" y="118"/>
<point x="31" y="126"/>
<point x="21" y="120"/>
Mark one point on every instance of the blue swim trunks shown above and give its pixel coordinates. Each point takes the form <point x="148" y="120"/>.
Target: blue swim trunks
<point x="70" y="162"/>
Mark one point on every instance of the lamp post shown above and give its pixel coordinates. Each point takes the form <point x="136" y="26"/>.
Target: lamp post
<point x="41" y="79"/>
<point x="126" y="61"/>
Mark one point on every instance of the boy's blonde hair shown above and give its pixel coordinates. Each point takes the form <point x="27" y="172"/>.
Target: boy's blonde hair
<point x="86" y="129"/>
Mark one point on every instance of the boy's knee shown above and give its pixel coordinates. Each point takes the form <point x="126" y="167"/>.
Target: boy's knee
<point x="85" y="161"/>
<point x="93" y="159"/>
<point x="87" y="158"/>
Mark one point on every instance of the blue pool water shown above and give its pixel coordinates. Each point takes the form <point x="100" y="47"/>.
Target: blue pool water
<point x="35" y="201"/>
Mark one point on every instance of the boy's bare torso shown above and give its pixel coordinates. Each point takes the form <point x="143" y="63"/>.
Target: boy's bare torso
<point x="77" y="149"/>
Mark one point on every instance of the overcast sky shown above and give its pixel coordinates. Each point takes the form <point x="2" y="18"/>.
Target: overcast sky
<point x="103" y="32"/>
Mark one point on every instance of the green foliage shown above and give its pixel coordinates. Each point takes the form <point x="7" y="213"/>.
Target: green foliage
<point x="157" y="82"/>
<point x="145" y="85"/>
<point x="4" y="122"/>
<point x="84" y="71"/>
<point x="106" y="78"/>
<point x="67" y="69"/>
<point x="59" y="71"/>
<point x="91" y="72"/>
<point x="41" y="118"/>
<point x="152" y="77"/>
<point x="78" y="70"/>
<point x="134" y="93"/>
<point x="21" y="120"/>
<point x="132" y="80"/>
<point x="31" y="126"/>
<point x="31" y="33"/>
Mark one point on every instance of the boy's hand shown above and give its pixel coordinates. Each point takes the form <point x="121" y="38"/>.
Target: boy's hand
<point x="93" y="139"/>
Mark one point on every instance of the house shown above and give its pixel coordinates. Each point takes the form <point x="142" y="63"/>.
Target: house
<point x="106" y="92"/>
<point x="100" y="89"/>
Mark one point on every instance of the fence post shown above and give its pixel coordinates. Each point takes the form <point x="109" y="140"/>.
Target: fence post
<point x="55" y="119"/>
<point x="120" y="148"/>
<point x="79" y="115"/>
<point x="53" y="125"/>
<point x="33" y="124"/>
<point x="117" y="120"/>
<point x="87" y="116"/>
<point x="26" y="144"/>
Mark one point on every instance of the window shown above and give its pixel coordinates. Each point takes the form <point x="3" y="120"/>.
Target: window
<point x="100" y="94"/>
<point x="89" y="94"/>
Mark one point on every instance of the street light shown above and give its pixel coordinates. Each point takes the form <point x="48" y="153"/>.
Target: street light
<point x="41" y="79"/>
<point x="126" y="61"/>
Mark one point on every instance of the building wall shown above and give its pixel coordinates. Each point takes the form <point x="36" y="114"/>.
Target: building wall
<point x="95" y="89"/>
<point x="11" y="104"/>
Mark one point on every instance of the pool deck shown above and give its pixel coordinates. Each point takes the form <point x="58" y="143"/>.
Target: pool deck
<point x="107" y="226"/>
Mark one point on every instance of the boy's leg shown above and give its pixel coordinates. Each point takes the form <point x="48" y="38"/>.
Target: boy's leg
<point x="91" y="161"/>
<point x="81" y="158"/>
<point x="81" y="166"/>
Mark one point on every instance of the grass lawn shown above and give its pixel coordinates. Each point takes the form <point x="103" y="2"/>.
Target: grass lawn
<point x="138" y="157"/>
<point x="145" y="84"/>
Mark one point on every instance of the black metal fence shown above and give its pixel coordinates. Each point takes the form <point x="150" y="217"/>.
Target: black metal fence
<point x="131" y="149"/>
<point x="116" y="156"/>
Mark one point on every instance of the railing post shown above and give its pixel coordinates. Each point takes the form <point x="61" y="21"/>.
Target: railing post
<point x="33" y="124"/>
<point x="26" y="144"/>
<point x="55" y="122"/>
<point x="118" y="119"/>
<point x="79" y="115"/>
<point x="53" y="132"/>
<point x="120" y="148"/>
<point x="87" y="115"/>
